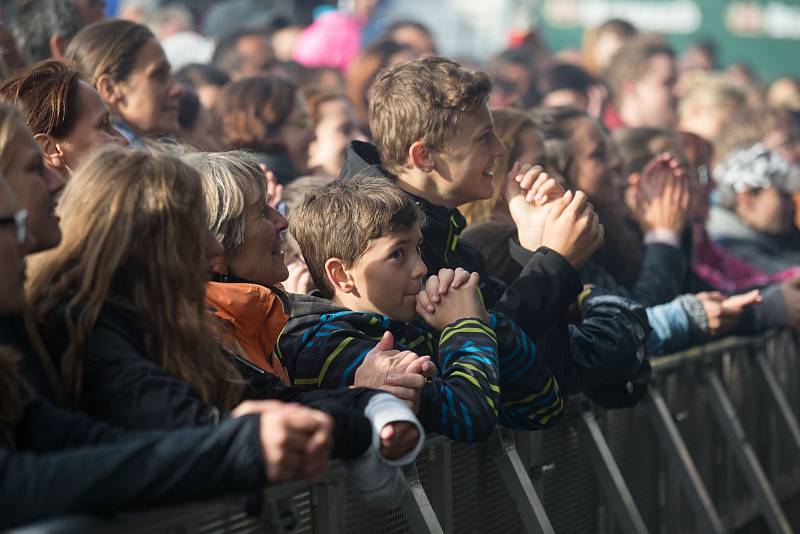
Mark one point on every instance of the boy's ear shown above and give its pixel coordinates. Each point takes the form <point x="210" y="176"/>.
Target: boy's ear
<point x="339" y="276"/>
<point x="420" y="157"/>
<point x="52" y="153"/>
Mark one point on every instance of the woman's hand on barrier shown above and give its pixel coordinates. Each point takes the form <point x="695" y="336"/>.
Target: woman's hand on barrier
<point x="723" y="313"/>
<point x="397" y="439"/>
<point x="296" y="441"/>
<point x="401" y="373"/>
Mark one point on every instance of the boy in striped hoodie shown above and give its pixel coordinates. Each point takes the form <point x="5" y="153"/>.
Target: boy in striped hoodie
<point x="361" y="240"/>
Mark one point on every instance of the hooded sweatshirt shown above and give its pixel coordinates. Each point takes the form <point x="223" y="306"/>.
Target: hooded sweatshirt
<point x="486" y="373"/>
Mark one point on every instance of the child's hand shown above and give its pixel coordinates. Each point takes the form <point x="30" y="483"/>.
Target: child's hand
<point x="573" y="228"/>
<point x="456" y="304"/>
<point x="530" y="193"/>
<point x="397" y="439"/>
<point x="437" y="285"/>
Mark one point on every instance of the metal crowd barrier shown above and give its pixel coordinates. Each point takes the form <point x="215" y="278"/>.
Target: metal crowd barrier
<point x="714" y="447"/>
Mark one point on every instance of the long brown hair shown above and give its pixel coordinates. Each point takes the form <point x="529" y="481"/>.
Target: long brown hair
<point x="49" y="92"/>
<point x="108" y="47"/>
<point x="133" y="224"/>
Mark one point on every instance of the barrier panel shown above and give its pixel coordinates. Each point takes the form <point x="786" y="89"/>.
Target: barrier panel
<point x="714" y="447"/>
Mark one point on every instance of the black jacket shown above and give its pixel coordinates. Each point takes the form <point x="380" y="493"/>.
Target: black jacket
<point x="605" y="350"/>
<point x="54" y="462"/>
<point x="123" y="386"/>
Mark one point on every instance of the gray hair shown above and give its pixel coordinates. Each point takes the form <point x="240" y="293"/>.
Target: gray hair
<point x="35" y="21"/>
<point x="232" y="181"/>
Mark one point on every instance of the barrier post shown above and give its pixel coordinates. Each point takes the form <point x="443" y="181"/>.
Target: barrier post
<point x="326" y="506"/>
<point x="672" y="442"/>
<point x="515" y="476"/>
<point x="785" y="413"/>
<point x="416" y="505"/>
<point x="441" y="477"/>
<point x="607" y="471"/>
<point x="745" y="456"/>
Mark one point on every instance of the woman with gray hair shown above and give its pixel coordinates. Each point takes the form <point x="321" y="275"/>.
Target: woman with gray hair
<point x="247" y="299"/>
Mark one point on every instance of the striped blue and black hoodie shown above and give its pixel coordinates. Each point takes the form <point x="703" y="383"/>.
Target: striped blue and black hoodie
<point x="487" y="373"/>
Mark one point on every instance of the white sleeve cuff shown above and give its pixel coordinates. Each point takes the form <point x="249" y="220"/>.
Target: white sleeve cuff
<point x="662" y="236"/>
<point x="385" y="408"/>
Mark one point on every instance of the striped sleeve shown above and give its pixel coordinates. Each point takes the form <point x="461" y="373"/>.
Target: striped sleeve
<point x="462" y="401"/>
<point x="531" y="398"/>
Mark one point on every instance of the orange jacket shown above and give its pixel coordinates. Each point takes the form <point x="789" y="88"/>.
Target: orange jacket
<point x="250" y="317"/>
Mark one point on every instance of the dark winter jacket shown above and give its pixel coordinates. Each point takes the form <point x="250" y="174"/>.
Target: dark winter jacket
<point x="74" y="469"/>
<point x="604" y="350"/>
<point x="55" y="462"/>
<point x="123" y="386"/>
<point x="323" y="344"/>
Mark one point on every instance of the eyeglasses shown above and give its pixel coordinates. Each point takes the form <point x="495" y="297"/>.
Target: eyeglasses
<point x="19" y="220"/>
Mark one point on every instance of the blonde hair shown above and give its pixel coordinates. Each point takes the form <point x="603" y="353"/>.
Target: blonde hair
<point x="230" y="180"/>
<point x="508" y="124"/>
<point x="133" y="224"/>
<point x="712" y="90"/>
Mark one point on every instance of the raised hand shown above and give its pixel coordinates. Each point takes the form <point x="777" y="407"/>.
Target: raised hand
<point x="530" y="193"/>
<point x="573" y="228"/>
<point x="662" y="195"/>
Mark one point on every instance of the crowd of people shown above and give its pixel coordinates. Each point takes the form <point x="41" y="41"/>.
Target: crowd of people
<point x="236" y="247"/>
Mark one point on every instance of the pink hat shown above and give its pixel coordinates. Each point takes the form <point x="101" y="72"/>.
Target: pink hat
<point x="332" y="40"/>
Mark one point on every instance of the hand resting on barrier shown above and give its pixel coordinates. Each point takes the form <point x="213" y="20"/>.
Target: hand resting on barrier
<point x="296" y="441"/>
<point x="401" y="373"/>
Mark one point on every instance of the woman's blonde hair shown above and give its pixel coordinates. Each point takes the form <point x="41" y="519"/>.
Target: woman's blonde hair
<point x="133" y="225"/>
<point x="508" y="123"/>
<point x="231" y="181"/>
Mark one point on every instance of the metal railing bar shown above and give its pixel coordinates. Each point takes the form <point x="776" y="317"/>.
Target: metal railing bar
<point x="745" y="456"/>
<point x="529" y="507"/>
<point x="607" y="472"/>
<point x="672" y="442"/>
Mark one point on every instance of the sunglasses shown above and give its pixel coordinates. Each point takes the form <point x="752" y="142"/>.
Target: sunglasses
<point x="19" y="220"/>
